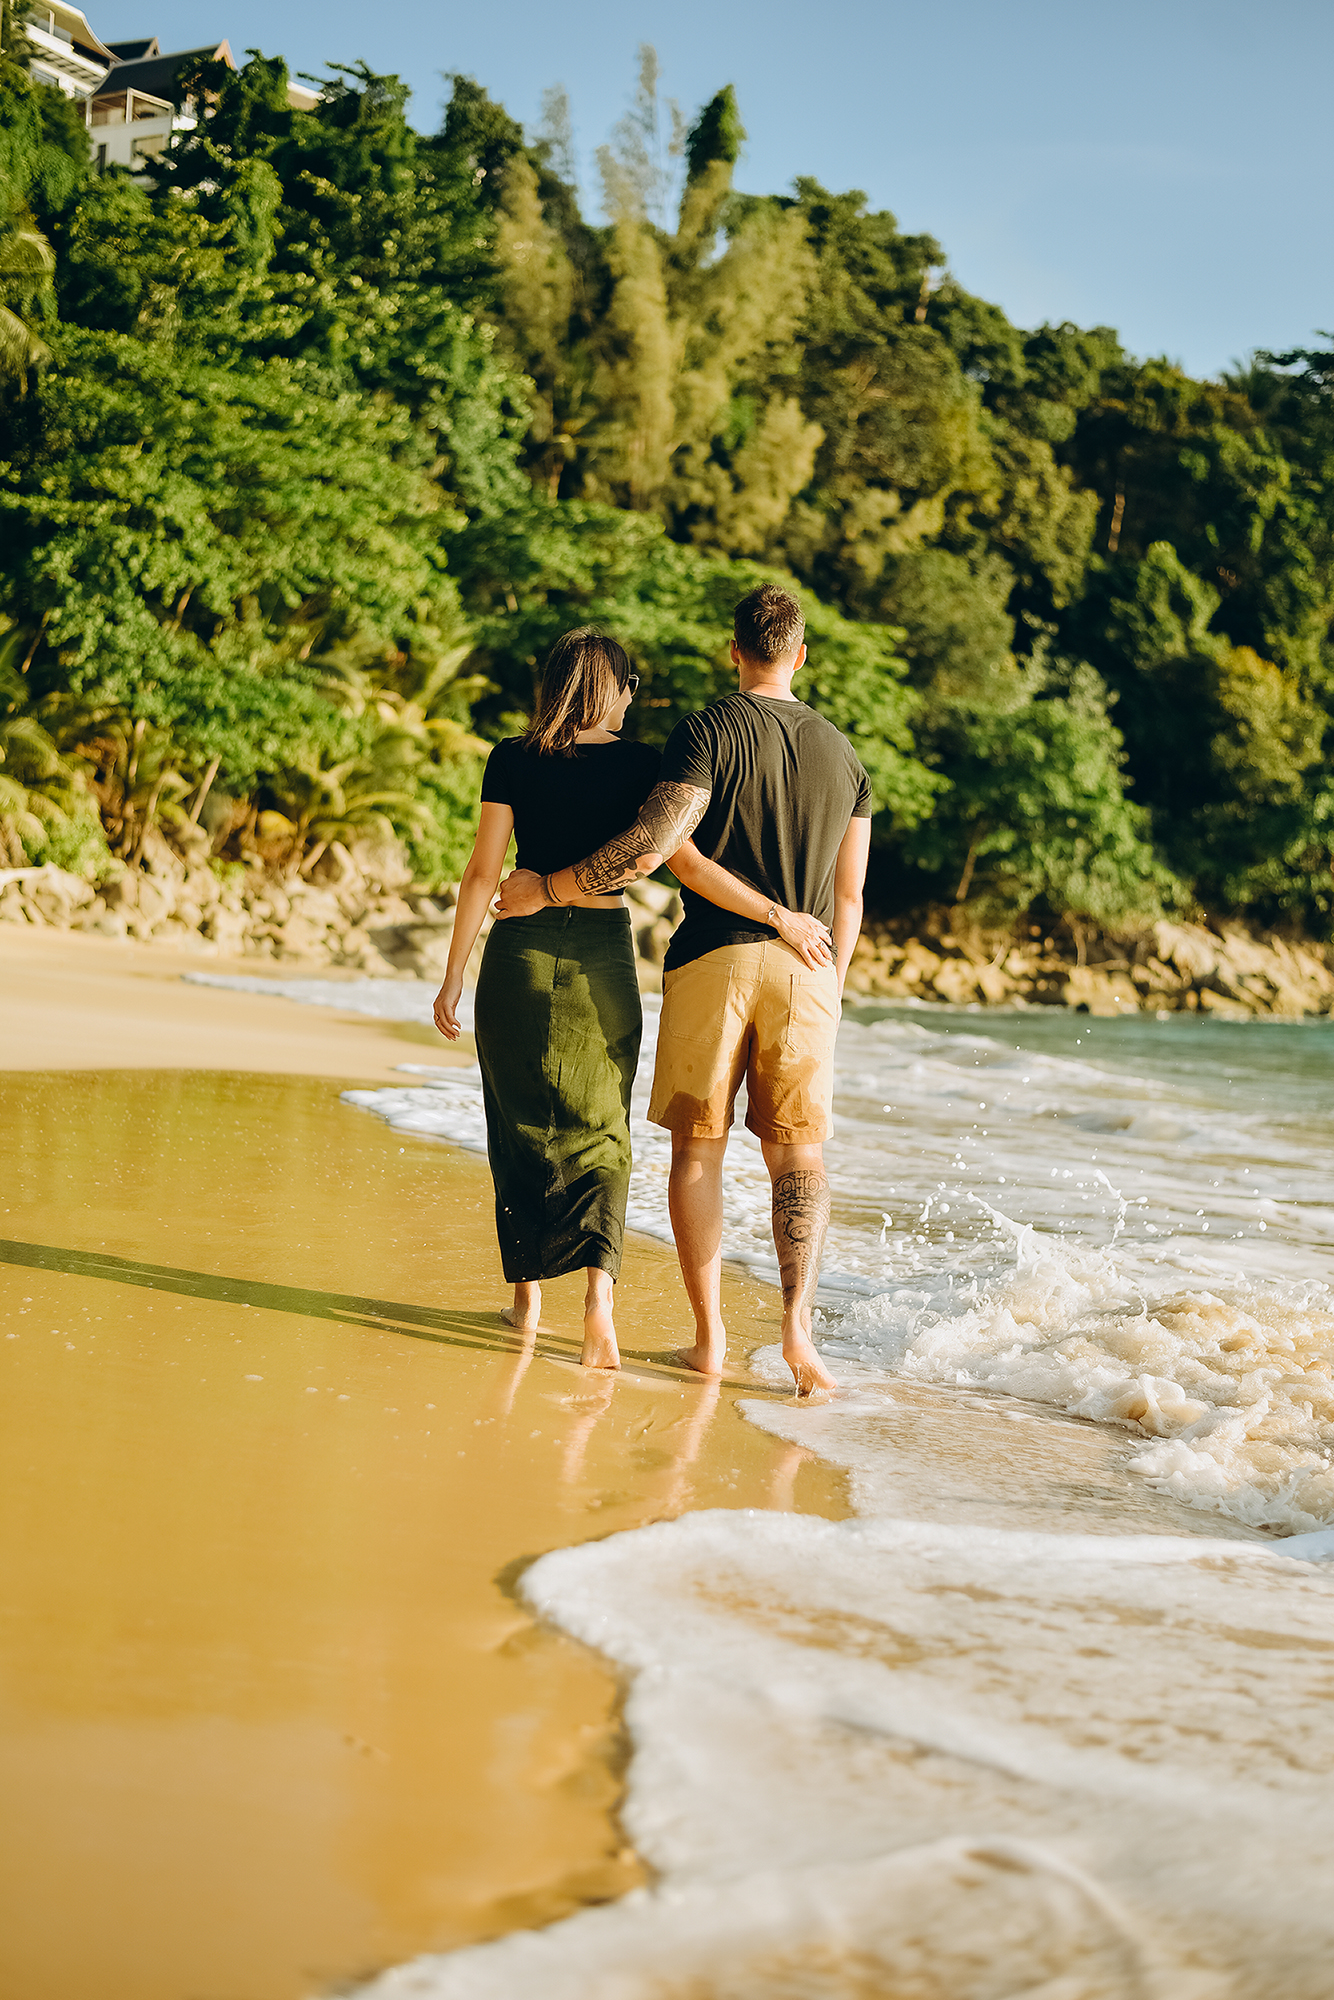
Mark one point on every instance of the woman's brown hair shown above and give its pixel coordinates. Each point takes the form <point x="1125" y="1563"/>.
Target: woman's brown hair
<point x="584" y="674"/>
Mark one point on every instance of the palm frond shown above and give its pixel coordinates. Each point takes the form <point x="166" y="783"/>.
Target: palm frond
<point x="20" y="349"/>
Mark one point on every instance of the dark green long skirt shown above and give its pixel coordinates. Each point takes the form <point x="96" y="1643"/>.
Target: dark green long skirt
<point x="558" y="1023"/>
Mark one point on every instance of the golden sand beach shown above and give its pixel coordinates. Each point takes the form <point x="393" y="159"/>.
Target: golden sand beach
<point x="273" y="1717"/>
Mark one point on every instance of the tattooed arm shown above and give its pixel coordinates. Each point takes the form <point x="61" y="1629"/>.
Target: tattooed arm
<point x="668" y="816"/>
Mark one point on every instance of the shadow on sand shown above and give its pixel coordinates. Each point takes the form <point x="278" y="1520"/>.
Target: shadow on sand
<point x="483" y="1331"/>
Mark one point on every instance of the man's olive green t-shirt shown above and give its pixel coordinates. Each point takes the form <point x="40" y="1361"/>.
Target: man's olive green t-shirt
<point x="783" y="785"/>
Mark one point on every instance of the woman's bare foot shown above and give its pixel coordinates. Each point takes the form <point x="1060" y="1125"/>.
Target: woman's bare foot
<point x="808" y="1371"/>
<point x="599" y="1349"/>
<point x="708" y="1356"/>
<point x="526" y="1311"/>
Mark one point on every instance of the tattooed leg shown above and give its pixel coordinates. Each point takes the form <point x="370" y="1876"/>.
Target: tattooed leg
<point x="801" y="1218"/>
<point x="667" y="818"/>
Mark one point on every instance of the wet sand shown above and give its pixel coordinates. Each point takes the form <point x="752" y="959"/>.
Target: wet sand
<point x="272" y="1717"/>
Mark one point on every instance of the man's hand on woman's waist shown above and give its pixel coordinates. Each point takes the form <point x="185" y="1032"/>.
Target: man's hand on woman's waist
<point x="520" y="894"/>
<point x="524" y="893"/>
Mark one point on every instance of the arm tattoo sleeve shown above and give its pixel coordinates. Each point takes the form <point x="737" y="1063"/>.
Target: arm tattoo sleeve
<point x="668" y="816"/>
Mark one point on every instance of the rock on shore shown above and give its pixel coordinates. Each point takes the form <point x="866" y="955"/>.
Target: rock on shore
<point x="1223" y="970"/>
<point x="358" y="911"/>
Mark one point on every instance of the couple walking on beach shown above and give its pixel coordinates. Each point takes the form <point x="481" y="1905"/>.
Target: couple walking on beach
<point x="762" y="812"/>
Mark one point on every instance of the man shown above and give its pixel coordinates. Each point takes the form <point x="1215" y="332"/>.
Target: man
<point x="780" y="809"/>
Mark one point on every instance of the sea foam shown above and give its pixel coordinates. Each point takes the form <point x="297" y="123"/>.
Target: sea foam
<point x="880" y="1757"/>
<point x="1229" y="1382"/>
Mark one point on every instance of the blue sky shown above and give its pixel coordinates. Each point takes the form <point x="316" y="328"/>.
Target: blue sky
<point x="1164" y="169"/>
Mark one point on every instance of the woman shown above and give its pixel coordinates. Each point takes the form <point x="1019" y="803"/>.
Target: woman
<point x="558" y="1018"/>
<point x="557" y="1012"/>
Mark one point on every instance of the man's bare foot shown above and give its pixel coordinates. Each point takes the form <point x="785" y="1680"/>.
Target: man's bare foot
<point x="706" y="1357"/>
<point x="599" y="1349"/>
<point x="526" y="1311"/>
<point x="808" y="1371"/>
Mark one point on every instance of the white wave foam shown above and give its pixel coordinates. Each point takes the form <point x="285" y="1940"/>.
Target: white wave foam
<point x="877" y="1757"/>
<point x="1232" y="1382"/>
<point x="923" y="1921"/>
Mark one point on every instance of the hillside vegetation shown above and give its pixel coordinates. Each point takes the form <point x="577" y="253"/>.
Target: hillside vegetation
<point x="308" y="452"/>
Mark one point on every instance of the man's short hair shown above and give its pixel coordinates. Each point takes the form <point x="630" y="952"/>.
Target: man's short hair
<point x="768" y="624"/>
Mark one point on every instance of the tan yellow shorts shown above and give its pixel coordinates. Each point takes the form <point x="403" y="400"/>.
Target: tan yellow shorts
<point x="755" y="1011"/>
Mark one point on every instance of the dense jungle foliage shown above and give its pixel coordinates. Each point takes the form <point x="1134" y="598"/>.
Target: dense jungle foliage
<point x="308" y="450"/>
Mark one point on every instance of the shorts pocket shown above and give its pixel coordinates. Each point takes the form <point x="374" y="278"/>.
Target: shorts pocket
<point x="694" y="1004"/>
<point x="812" y="1015"/>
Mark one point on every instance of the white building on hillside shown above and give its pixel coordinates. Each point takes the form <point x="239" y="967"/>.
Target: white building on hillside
<point x="133" y="96"/>
<point x="66" y="52"/>
<point x="143" y="99"/>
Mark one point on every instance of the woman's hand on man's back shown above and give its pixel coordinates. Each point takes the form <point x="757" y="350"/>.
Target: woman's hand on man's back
<point x="807" y="935"/>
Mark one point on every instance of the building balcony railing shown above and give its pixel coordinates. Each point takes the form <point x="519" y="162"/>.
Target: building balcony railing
<point x="128" y="107"/>
<point x="56" y="50"/>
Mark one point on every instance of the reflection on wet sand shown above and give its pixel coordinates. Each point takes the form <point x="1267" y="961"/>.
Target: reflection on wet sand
<point x="272" y="1713"/>
<point x="509" y="1378"/>
<point x="783" y="1487"/>
<point x="587" y="1406"/>
<point x="669" y="1448"/>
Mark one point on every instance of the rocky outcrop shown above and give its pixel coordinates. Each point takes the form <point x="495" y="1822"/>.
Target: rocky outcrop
<point x="357" y="911"/>
<point x="1169" y="968"/>
<point x="334" y="917"/>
